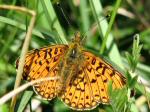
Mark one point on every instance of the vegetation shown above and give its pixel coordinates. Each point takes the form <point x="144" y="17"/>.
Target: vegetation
<point x="118" y="30"/>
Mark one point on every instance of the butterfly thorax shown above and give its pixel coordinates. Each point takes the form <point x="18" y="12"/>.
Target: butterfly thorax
<point x="74" y="53"/>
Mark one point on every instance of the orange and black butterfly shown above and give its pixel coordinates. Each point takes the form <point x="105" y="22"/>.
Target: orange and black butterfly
<point x="84" y="77"/>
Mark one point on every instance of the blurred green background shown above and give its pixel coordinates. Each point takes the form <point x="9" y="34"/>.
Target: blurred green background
<point x="51" y="27"/>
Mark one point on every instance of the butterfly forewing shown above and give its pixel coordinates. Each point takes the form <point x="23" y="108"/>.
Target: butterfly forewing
<point x="101" y="73"/>
<point x="102" y="68"/>
<point x="43" y="63"/>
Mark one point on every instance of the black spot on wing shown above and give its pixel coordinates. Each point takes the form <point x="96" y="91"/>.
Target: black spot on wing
<point x="93" y="61"/>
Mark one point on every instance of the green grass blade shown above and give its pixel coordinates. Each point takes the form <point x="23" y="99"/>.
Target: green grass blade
<point x="19" y="25"/>
<point x="52" y="18"/>
<point x="103" y="25"/>
<point x="118" y="2"/>
<point x="84" y="16"/>
<point x="24" y="101"/>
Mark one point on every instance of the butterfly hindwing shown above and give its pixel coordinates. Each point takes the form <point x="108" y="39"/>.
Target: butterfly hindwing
<point x="78" y="94"/>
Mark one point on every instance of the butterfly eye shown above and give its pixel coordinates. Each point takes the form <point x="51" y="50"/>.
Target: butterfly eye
<point x="73" y="53"/>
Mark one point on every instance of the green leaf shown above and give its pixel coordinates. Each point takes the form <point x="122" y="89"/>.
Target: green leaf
<point x="134" y="57"/>
<point x="133" y="82"/>
<point x="24" y="101"/>
<point x="19" y="25"/>
<point x="52" y="20"/>
<point x="118" y="100"/>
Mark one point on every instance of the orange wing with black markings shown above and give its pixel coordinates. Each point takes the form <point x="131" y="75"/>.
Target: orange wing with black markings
<point x="43" y="63"/>
<point x="83" y="80"/>
<point x="100" y="73"/>
<point x="90" y="87"/>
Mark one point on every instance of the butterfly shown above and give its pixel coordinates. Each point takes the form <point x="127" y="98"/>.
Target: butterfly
<point x="84" y="77"/>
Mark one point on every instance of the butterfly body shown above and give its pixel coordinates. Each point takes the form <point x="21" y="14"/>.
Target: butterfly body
<point x="84" y="77"/>
<point x="70" y="63"/>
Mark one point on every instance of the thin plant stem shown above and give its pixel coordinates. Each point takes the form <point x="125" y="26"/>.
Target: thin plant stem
<point x="118" y="2"/>
<point x="6" y="97"/>
<point x="25" y="46"/>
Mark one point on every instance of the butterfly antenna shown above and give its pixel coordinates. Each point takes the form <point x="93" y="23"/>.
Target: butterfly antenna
<point x="66" y="18"/>
<point x="103" y="18"/>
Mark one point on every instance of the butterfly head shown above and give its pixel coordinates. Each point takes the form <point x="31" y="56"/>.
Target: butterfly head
<point x="77" y="38"/>
<point x="76" y="41"/>
<point x="75" y="47"/>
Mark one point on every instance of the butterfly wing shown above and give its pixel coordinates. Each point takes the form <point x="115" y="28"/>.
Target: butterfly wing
<point x="90" y="86"/>
<point x="41" y="64"/>
<point x="100" y="73"/>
